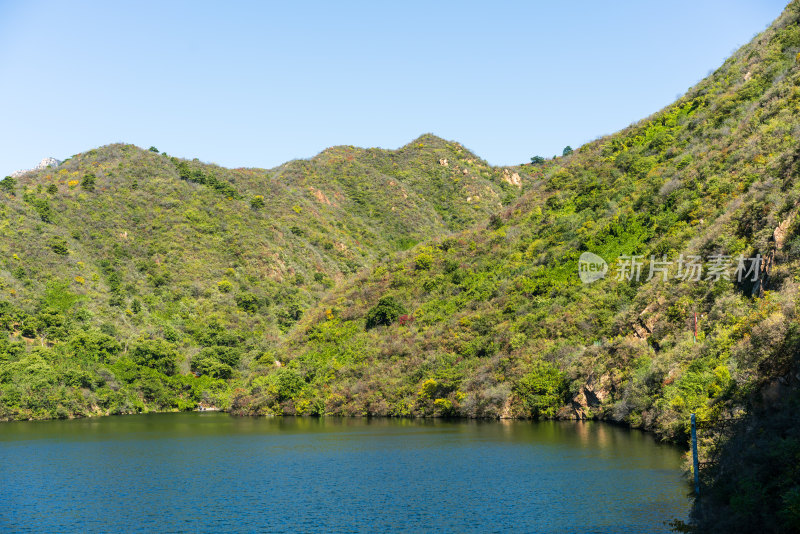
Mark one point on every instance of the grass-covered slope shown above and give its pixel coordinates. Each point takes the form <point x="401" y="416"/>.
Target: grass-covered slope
<point x="123" y="266"/>
<point x="495" y="321"/>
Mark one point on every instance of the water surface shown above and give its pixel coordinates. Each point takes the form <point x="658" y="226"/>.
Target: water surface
<point x="211" y="472"/>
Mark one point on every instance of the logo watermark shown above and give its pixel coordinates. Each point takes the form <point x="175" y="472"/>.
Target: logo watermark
<point x="591" y="267"/>
<point x="688" y="268"/>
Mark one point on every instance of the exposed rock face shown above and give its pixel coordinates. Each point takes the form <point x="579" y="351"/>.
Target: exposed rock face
<point x="591" y="396"/>
<point x="46" y="162"/>
<point x="512" y="179"/>
<point x="644" y="324"/>
<point x="778" y="239"/>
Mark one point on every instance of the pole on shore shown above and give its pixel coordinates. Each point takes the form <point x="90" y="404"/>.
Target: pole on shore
<point x="695" y="459"/>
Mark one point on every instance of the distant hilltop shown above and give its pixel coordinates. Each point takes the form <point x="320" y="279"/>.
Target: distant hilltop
<point x="46" y="162"/>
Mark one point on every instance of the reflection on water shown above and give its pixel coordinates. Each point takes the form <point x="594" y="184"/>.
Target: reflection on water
<point x="211" y="472"/>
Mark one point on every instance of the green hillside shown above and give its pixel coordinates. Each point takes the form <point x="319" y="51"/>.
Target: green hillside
<point x="493" y="310"/>
<point x="423" y="282"/>
<point x="124" y="269"/>
<point x="495" y="321"/>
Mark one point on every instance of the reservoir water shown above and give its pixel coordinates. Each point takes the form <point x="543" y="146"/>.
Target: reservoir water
<point x="210" y="472"/>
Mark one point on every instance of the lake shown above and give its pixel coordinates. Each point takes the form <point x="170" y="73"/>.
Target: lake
<point x="190" y="472"/>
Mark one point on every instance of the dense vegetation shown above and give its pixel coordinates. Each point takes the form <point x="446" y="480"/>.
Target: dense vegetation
<point x="135" y="281"/>
<point x="422" y="282"/>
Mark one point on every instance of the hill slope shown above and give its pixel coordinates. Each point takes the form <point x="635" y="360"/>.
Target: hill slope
<point x="496" y="321"/>
<point x="197" y="266"/>
<point x="124" y="269"/>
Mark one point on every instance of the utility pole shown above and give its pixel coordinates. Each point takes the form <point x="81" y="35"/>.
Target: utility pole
<point x="695" y="459"/>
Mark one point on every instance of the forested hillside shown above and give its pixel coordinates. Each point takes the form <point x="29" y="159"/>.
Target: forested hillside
<point x="423" y="282"/>
<point x="133" y="281"/>
<point x="496" y="322"/>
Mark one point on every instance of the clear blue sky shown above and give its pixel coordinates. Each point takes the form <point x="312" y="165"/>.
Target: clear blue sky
<point x="258" y="83"/>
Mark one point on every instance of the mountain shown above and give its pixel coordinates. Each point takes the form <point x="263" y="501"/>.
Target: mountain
<point x="124" y="269"/>
<point x="496" y="322"/>
<point x="492" y="310"/>
<point x="645" y="276"/>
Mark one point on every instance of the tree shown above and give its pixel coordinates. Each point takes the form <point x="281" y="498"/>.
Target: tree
<point x="247" y="302"/>
<point x="423" y="262"/>
<point x="156" y="354"/>
<point x="88" y="182"/>
<point x="567" y="151"/>
<point x="153" y="149"/>
<point x="8" y="184"/>
<point x="542" y="390"/>
<point x="385" y="312"/>
<point x="216" y="362"/>
<point x="537" y="160"/>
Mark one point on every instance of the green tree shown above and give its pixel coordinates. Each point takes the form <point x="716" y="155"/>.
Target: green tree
<point x="8" y="184"/>
<point x="216" y="362"/>
<point x="247" y="302"/>
<point x="156" y="354"/>
<point x="385" y="312"/>
<point x="289" y="384"/>
<point x="423" y="262"/>
<point x="542" y="390"/>
<point x="88" y="182"/>
<point x="567" y="151"/>
<point x="537" y="160"/>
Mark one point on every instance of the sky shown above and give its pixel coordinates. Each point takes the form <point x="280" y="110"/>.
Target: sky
<point x="255" y="84"/>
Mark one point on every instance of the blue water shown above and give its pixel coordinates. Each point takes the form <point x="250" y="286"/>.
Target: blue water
<point x="194" y="472"/>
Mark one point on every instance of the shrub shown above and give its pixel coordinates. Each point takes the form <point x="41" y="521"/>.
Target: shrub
<point x="94" y="346"/>
<point x="257" y="202"/>
<point x="385" y="312"/>
<point x="42" y="207"/>
<point x="423" y="262"/>
<point x="59" y="245"/>
<point x="224" y="286"/>
<point x="429" y="389"/>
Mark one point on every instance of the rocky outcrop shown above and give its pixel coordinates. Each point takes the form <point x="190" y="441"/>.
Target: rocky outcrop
<point x="643" y="326"/>
<point x="46" y="162"/>
<point x="767" y="261"/>
<point x="512" y="179"/>
<point x="590" y="397"/>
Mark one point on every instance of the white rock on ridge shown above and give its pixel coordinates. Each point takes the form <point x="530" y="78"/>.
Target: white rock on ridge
<point x="46" y="162"/>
